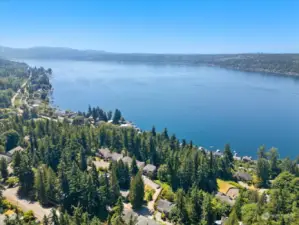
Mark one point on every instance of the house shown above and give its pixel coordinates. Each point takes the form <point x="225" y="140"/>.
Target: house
<point x="246" y="159"/>
<point x="164" y="206"/>
<point x="150" y="170"/>
<point x="233" y="192"/>
<point x="218" y="153"/>
<point x="129" y="214"/>
<point x="16" y="149"/>
<point x="142" y="220"/>
<point x="242" y="176"/>
<point x="116" y="156"/>
<point x="224" y="198"/>
<point x="127" y="160"/>
<point x="140" y="164"/>
<point x="105" y="154"/>
<point x="8" y="158"/>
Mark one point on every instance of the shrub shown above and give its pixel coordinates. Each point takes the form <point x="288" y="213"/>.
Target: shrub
<point x="12" y="181"/>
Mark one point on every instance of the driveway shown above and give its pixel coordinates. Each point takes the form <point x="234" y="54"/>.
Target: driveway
<point x="39" y="211"/>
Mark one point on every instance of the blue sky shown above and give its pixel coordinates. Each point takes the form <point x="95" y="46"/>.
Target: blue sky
<point x="155" y="26"/>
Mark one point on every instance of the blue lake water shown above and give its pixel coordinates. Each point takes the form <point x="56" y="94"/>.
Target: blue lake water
<point x="210" y="106"/>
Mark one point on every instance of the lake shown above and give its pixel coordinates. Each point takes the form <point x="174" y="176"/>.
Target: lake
<point x="210" y="106"/>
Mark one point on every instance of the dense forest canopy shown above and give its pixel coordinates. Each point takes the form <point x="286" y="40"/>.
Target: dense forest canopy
<point x="285" y="64"/>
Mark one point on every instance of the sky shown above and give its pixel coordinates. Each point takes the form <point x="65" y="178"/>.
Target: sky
<point x="153" y="26"/>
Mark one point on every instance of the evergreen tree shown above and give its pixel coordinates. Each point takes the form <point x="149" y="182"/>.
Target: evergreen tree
<point x="11" y="139"/>
<point x="262" y="171"/>
<point x="3" y="168"/>
<point x="114" y="186"/>
<point x="137" y="191"/>
<point x="40" y="187"/>
<point x="179" y="213"/>
<point x="273" y="157"/>
<point x="83" y="161"/>
<point x="116" y="117"/>
<point x="133" y="168"/>
<point x="195" y="202"/>
<point x="207" y="211"/>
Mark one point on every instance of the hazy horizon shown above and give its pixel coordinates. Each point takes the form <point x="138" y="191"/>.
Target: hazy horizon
<point x="160" y="53"/>
<point x="161" y="27"/>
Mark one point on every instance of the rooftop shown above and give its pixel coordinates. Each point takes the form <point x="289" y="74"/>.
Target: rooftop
<point x="243" y="176"/>
<point x="150" y="168"/>
<point x="16" y="149"/>
<point x="224" y="198"/>
<point x="164" y="206"/>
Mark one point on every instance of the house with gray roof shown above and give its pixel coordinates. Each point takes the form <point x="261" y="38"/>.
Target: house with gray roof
<point x="127" y="160"/>
<point x="140" y="164"/>
<point x="242" y="176"/>
<point x="150" y="170"/>
<point x="116" y="156"/>
<point x="16" y="149"/>
<point x="224" y="198"/>
<point x="104" y="153"/>
<point x="164" y="206"/>
<point x="8" y="158"/>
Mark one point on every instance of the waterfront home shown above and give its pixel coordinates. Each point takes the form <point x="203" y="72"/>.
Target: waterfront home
<point x="247" y="159"/>
<point x="242" y="176"/>
<point x="150" y="170"/>
<point x="236" y="157"/>
<point x="16" y="149"/>
<point x="164" y="206"/>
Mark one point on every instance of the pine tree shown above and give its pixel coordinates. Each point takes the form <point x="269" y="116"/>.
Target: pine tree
<point x="137" y="191"/>
<point x="207" y="211"/>
<point x="114" y="186"/>
<point x="116" y="116"/>
<point x="262" y="171"/>
<point x="179" y="213"/>
<point x="134" y="168"/>
<point x="83" y="161"/>
<point x="3" y="168"/>
<point x="195" y="202"/>
<point x="40" y="187"/>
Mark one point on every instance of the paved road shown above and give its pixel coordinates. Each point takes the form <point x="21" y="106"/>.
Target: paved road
<point x="39" y="211"/>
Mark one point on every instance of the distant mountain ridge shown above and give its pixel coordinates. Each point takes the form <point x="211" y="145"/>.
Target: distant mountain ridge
<point x="284" y="64"/>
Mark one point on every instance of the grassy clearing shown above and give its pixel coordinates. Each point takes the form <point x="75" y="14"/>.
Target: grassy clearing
<point x="223" y="186"/>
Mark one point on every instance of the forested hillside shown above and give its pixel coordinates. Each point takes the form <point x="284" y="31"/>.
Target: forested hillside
<point x="12" y="75"/>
